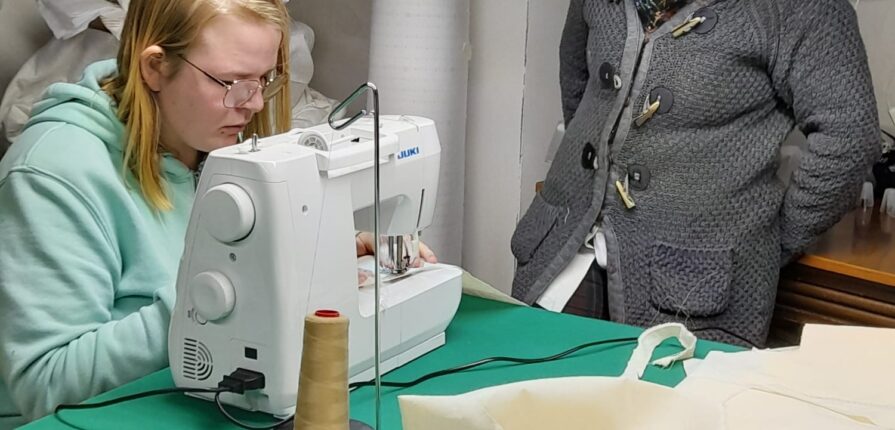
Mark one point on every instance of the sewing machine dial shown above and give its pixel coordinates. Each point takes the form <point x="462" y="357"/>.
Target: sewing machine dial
<point x="229" y="212"/>
<point x="212" y="295"/>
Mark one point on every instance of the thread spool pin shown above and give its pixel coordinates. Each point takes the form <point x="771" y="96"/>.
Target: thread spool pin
<point x="254" y="143"/>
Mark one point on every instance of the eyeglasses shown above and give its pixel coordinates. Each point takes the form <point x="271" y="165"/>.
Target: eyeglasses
<point x="240" y="91"/>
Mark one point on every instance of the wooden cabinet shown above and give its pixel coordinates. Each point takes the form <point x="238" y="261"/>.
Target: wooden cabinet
<point x="847" y="277"/>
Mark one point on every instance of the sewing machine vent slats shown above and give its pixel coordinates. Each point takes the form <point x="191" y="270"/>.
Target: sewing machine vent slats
<point x="197" y="362"/>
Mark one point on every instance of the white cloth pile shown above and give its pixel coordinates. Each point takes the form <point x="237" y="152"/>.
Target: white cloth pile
<point x="75" y="45"/>
<point x="619" y="403"/>
<point x="838" y="379"/>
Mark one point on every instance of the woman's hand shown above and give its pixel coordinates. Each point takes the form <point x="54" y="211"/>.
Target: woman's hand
<point x="365" y="246"/>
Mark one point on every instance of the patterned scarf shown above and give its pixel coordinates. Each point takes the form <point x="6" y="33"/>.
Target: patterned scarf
<point x="654" y="13"/>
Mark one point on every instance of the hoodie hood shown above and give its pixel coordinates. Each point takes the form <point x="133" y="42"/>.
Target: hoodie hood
<point x="85" y="105"/>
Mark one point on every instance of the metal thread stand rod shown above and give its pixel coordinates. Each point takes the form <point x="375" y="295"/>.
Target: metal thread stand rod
<point x="369" y="86"/>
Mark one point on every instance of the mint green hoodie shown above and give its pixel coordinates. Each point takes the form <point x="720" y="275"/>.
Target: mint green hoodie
<point x="87" y="268"/>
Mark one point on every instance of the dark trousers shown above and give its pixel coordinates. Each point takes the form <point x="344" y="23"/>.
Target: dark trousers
<point x="591" y="299"/>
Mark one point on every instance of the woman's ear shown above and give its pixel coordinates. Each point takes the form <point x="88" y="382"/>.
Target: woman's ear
<point x="152" y="67"/>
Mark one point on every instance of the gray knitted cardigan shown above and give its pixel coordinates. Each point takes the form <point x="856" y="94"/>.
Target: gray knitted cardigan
<point x="711" y="223"/>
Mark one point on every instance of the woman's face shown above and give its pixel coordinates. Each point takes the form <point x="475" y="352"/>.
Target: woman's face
<point x="191" y="107"/>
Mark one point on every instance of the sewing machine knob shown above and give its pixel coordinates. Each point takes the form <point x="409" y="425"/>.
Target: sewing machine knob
<point x="212" y="295"/>
<point x="229" y="213"/>
<point x="312" y="138"/>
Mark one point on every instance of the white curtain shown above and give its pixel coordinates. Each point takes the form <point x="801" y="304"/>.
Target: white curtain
<point x="419" y="60"/>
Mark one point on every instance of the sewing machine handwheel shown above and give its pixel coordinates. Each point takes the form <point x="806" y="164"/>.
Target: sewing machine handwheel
<point x="229" y="213"/>
<point x="312" y="138"/>
<point x="212" y="295"/>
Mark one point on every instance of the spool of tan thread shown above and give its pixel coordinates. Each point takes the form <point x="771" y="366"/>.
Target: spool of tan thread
<point x="322" y="402"/>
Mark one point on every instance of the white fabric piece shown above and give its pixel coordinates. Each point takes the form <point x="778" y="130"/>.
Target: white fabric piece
<point x="568" y="403"/>
<point x="868" y="379"/>
<point x="830" y="382"/>
<point x="889" y="141"/>
<point x="311" y="108"/>
<point x="887" y="204"/>
<point x="301" y="64"/>
<point x="693" y="364"/>
<point x="598" y="243"/>
<point x="838" y="379"/>
<point x="562" y="403"/>
<point x="555" y="141"/>
<point x="67" y="18"/>
<point x="564" y="286"/>
<point x="759" y="400"/>
<point x="473" y="286"/>
<point x="866" y="199"/>
<point x="561" y="290"/>
<point x="57" y="61"/>
<point x="650" y="339"/>
<point x="114" y="21"/>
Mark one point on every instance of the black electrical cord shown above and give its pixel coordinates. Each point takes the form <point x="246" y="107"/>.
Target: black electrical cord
<point x="217" y="401"/>
<point x="484" y="361"/>
<point x="355" y="385"/>
<point x="130" y="397"/>
<point x="563" y="354"/>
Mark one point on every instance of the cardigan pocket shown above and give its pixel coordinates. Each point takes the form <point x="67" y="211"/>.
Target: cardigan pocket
<point x="690" y="282"/>
<point x="533" y="228"/>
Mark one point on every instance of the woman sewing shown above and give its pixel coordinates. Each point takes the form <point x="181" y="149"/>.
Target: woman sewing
<point x="96" y="194"/>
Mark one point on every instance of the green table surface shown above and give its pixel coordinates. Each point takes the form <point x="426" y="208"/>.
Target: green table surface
<point x="481" y="328"/>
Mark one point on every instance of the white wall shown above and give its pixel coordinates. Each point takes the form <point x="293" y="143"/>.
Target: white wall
<point x="877" y="21"/>
<point x="514" y="106"/>
<point x="494" y="138"/>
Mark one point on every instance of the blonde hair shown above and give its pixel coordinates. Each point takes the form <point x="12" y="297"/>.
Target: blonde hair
<point x="174" y="25"/>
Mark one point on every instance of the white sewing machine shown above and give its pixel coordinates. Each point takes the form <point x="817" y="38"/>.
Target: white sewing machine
<point x="272" y="238"/>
